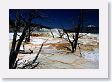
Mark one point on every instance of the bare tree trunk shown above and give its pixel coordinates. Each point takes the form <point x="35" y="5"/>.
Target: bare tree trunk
<point x="78" y="28"/>
<point x="76" y="38"/>
<point x="60" y="34"/>
<point x="14" y="54"/>
<point x="30" y="64"/>
<point x="12" y="49"/>
<point x="29" y="33"/>
<point x="72" y="49"/>
<point x="52" y="33"/>
<point x="38" y="52"/>
<point x="71" y="42"/>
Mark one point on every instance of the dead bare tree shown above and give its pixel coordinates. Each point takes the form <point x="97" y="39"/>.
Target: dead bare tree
<point x="12" y="56"/>
<point x="16" y="46"/>
<point x="34" y="60"/>
<point x="75" y="36"/>
<point x="33" y="14"/>
<point x="52" y="33"/>
<point x="61" y="33"/>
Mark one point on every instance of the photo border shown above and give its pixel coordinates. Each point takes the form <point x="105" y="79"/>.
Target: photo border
<point x="102" y="72"/>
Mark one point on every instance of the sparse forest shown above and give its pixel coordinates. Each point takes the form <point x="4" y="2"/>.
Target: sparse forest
<point x="34" y="45"/>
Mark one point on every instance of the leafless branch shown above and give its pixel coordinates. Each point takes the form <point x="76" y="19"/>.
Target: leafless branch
<point x="31" y="63"/>
<point x="68" y="37"/>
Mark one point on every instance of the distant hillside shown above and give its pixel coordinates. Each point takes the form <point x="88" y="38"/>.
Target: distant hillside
<point x="86" y="30"/>
<point x="39" y="27"/>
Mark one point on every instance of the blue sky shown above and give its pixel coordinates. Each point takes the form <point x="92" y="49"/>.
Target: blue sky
<point x="65" y="17"/>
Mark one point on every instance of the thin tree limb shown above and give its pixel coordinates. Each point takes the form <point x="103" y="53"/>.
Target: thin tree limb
<point x="30" y="64"/>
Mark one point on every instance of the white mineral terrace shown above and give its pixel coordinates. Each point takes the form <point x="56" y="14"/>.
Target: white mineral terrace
<point x="51" y="57"/>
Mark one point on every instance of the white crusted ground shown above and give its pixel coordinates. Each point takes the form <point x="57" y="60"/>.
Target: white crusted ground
<point x="53" y="58"/>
